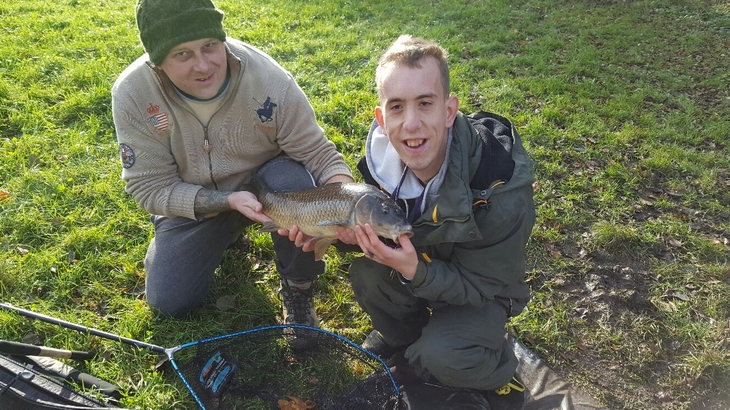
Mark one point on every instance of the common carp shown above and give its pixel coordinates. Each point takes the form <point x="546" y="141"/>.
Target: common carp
<point x="319" y="211"/>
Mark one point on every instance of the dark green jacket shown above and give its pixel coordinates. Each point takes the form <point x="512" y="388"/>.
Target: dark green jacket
<point x="471" y="242"/>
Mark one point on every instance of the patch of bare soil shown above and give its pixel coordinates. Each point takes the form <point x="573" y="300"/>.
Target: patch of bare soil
<point x="619" y="295"/>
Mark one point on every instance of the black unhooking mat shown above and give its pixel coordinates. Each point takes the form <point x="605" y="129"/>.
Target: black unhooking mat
<point x="545" y="390"/>
<point x="24" y="388"/>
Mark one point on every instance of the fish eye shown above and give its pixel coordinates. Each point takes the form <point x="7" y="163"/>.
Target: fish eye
<point x="385" y="211"/>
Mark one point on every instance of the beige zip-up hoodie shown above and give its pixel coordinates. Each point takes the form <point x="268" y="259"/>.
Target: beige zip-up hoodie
<point x="168" y="155"/>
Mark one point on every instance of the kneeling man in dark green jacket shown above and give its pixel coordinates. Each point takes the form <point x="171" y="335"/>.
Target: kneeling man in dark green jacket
<point x="442" y="297"/>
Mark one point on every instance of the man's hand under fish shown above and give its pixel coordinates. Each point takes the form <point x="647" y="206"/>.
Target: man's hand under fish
<point x="302" y="240"/>
<point x="299" y="238"/>
<point x="402" y="259"/>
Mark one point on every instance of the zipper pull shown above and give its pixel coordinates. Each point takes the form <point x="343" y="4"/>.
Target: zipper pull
<point x="206" y="143"/>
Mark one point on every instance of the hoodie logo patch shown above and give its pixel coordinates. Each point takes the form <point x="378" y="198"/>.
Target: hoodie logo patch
<point x="125" y="151"/>
<point x="266" y="112"/>
<point x="158" y="119"/>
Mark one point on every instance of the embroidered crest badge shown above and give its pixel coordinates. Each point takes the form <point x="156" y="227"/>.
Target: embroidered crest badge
<point x="125" y="151"/>
<point x="158" y="119"/>
<point x="266" y="112"/>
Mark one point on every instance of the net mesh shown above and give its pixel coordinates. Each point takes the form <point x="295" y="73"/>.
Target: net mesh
<point x="286" y="367"/>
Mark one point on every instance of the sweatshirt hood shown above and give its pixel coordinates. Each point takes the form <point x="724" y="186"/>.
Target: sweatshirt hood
<point x="387" y="168"/>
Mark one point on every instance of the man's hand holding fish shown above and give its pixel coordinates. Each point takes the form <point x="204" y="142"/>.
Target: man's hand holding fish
<point x="402" y="259"/>
<point x="299" y="238"/>
<point x="246" y="203"/>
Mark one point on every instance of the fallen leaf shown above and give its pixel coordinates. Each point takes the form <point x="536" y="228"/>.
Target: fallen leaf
<point x="554" y="252"/>
<point x="31" y="339"/>
<point x="664" y="397"/>
<point x="226" y="302"/>
<point x="295" y="403"/>
<point x="582" y="313"/>
<point x="4" y="195"/>
<point x="681" y="296"/>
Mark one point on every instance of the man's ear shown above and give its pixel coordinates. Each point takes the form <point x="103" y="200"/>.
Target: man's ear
<point x="379" y="118"/>
<point x="452" y="107"/>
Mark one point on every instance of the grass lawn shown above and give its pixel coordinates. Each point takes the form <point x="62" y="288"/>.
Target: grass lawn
<point x="624" y="107"/>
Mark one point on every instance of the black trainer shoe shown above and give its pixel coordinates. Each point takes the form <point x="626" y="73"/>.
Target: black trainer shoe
<point x="511" y="396"/>
<point x="376" y="345"/>
<point x="297" y="299"/>
<point x="403" y="373"/>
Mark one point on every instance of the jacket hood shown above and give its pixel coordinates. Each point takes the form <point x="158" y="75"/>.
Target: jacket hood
<point x="386" y="166"/>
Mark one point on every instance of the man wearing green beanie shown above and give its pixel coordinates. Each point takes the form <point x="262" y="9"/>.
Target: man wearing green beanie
<point x="195" y="118"/>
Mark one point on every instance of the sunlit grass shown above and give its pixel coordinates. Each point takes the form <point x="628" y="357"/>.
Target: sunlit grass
<point x="623" y="106"/>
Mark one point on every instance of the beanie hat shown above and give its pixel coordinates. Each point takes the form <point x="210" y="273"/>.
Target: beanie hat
<point x="163" y="24"/>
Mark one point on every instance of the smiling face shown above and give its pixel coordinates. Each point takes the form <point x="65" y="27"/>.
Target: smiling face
<point x="416" y="115"/>
<point x="198" y="67"/>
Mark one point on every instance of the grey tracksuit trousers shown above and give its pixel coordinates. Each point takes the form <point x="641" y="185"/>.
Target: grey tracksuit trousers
<point x="183" y="255"/>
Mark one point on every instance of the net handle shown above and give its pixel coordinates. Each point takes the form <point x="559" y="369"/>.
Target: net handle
<point x="84" y="329"/>
<point x="9" y="347"/>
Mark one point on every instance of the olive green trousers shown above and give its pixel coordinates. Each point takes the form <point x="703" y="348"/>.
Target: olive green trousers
<point x="461" y="346"/>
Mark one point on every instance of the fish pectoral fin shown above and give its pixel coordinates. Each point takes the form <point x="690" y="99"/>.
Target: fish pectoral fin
<point x="269" y="226"/>
<point x="320" y="248"/>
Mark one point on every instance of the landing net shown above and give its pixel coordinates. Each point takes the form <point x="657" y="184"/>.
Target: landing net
<point x="287" y="367"/>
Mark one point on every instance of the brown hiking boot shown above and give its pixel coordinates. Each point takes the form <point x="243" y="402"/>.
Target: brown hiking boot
<point x="297" y="299"/>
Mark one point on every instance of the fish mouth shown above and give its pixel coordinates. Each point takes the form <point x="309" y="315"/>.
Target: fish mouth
<point x="409" y="234"/>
